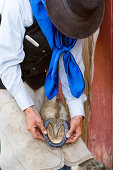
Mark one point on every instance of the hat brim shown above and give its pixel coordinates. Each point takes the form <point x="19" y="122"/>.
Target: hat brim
<point x="68" y="25"/>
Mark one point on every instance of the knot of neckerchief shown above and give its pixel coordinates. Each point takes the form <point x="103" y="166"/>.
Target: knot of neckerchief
<point x="59" y="44"/>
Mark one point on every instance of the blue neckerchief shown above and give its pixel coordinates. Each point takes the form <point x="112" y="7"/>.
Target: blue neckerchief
<point x="59" y="44"/>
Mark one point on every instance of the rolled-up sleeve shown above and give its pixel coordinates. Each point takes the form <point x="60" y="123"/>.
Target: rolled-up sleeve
<point x="76" y="105"/>
<point x="11" y="52"/>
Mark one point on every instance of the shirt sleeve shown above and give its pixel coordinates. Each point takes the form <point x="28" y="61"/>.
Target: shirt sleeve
<point x="11" y="52"/>
<point x="76" y="105"/>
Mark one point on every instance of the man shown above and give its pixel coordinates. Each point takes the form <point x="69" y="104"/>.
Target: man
<point x="16" y="17"/>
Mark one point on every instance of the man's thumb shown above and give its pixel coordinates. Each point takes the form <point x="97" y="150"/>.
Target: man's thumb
<point x="69" y="133"/>
<point x="43" y="129"/>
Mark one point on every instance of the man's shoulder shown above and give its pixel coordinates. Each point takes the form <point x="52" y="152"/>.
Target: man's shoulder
<point x="11" y="8"/>
<point x="9" y="5"/>
<point x="10" y="2"/>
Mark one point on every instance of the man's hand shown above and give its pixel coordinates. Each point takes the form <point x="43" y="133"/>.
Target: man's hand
<point x="35" y="124"/>
<point x="75" y="129"/>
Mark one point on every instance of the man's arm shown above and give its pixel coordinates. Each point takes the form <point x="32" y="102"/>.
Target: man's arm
<point x="75" y="105"/>
<point x="11" y="54"/>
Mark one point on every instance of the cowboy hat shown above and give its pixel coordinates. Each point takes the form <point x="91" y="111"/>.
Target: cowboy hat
<point x="76" y="18"/>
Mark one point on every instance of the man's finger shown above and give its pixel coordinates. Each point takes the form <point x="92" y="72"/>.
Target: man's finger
<point x="70" y="132"/>
<point x="39" y="136"/>
<point x="33" y="131"/>
<point x="36" y="134"/>
<point x="74" y="138"/>
<point x="71" y="140"/>
<point x="42" y="128"/>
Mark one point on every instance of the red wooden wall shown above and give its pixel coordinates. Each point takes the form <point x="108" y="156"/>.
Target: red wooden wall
<point x="100" y="125"/>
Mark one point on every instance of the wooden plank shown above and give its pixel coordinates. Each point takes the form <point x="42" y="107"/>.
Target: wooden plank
<point x="100" y="125"/>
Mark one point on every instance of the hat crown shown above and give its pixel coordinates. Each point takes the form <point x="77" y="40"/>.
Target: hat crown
<point x="83" y="8"/>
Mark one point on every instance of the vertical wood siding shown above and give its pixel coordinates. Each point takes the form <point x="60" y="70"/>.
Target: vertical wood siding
<point x="100" y="125"/>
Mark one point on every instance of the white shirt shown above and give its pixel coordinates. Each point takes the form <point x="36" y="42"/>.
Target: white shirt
<point x="16" y="15"/>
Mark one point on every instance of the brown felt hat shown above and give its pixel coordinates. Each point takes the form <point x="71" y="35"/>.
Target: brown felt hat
<point x="76" y="18"/>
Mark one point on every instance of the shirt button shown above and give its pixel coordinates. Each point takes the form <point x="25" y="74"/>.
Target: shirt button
<point x="43" y="51"/>
<point x="34" y="68"/>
